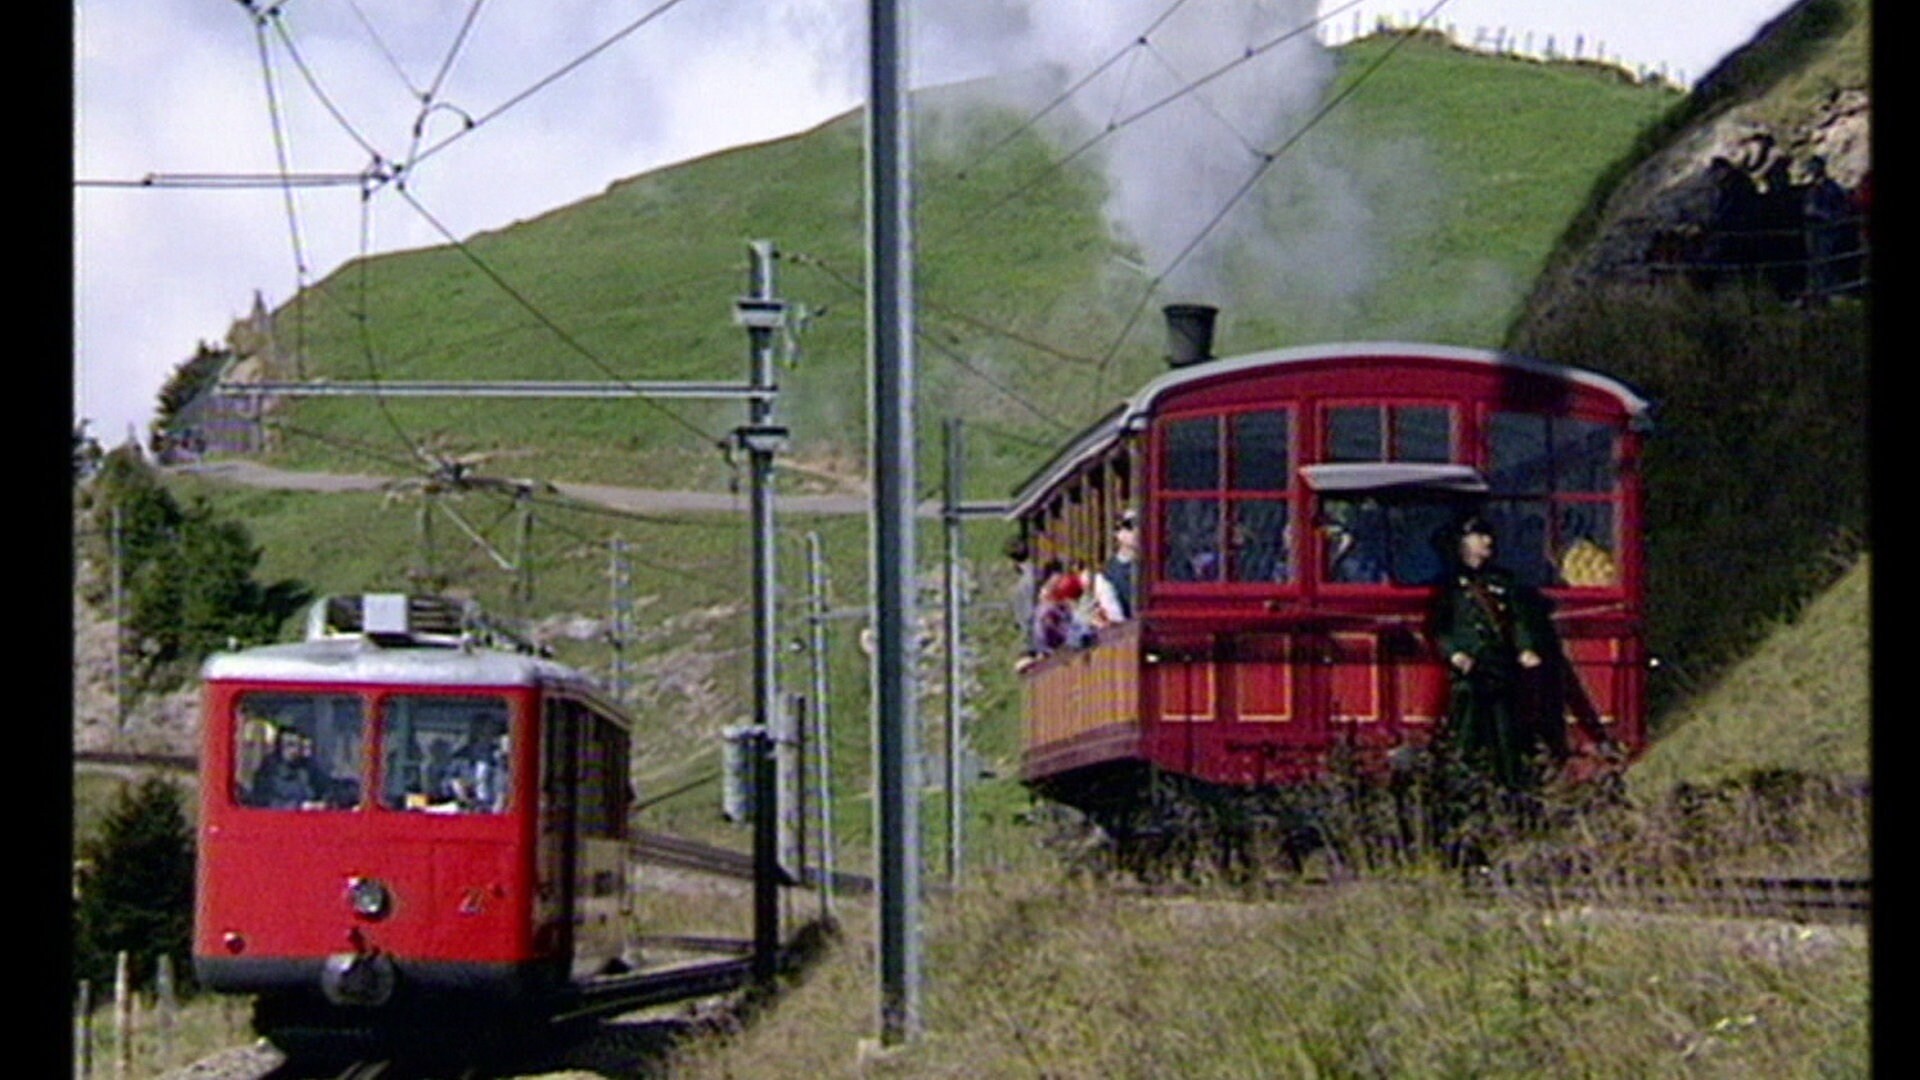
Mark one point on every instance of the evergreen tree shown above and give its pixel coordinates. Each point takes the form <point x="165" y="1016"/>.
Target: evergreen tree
<point x="187" y="574"/>
<point x="136" y="889"/>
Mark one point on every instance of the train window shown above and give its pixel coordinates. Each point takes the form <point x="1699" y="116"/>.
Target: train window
<point x="1422" y="433"/>
<point x="298" y="751"/>
<point x="1583" y="455"/>
<point x="1367" y="540"/>
<point x="445" y="755"/>
<point x="1259" y="441"/>
<point x="1520" y="532"/>
<point x="1192" y="455"/>
<point x="603" y="777"/>
<point x="1354" y="433"/>
<point x="1555" y="479"/>
<point x="1191" y="540"/>
<point x="1260" y="542"/>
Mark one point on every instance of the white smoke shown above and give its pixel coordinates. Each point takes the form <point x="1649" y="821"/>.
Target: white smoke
<point x="1189" y="99"/>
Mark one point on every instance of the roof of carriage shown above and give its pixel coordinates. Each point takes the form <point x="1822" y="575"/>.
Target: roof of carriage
<point x="1133" y="414"/>
<point x="360" y="660"/>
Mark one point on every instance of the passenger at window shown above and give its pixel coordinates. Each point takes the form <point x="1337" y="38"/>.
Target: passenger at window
<point x="1355" y="537"/>
<point x="288" y="777"/>
<point x="439" y="773"/>
<point x="1025" y="592"/>
<point x="478" y="769"/>
<point x="1113" y="587"/>
<point x="1063" y="616"/>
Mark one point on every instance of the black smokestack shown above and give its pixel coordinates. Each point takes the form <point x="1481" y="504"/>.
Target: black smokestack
<point x="1189" y="333"/>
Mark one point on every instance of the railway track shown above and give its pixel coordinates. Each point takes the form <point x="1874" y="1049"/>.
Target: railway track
<point x="1807" y="899"/>
<point x="678" y="851"/>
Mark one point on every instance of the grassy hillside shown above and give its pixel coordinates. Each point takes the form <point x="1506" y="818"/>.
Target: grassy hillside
<point x="1756" y="473"/>
<point x="1799" y="702"/>
<point x="1466" y="166"/>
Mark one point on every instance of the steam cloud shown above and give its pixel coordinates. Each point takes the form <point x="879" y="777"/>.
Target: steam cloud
<point x="1172" y="170"/>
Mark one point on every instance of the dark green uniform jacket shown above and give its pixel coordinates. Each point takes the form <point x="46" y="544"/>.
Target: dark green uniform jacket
<point x="1487" y="615"/>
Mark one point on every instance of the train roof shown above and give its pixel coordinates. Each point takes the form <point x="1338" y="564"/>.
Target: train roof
<point x="1134" y="413"/>
<point x="363" y="661"/>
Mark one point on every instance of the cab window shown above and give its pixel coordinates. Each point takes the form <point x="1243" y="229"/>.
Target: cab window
<point x="445" y="754"/>
<point x="298" y="751"/>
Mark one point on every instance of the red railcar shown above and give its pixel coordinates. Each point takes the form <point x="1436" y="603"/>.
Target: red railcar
<point x="1291" y="506"/>
<point x="396" y="821"/>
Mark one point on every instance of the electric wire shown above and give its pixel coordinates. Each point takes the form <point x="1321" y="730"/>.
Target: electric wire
<point x="272" y="16"/>
<point x="380" y="44"/>
<point x="280" y="148"/>
<point x="228" y="181"/>
<point x="427" y="99"/>
<point x="943" y="348"/>
<point x="545" y="320"/>
<point x="680" y="574"/>
<point x="1267" y="160"/>
<point x="1127" y="50"/>
<point x="363" y="323"/>
<point x="1046" y="172"/>
<point x="546" y="81"/>
<point x="1206" y="105"/>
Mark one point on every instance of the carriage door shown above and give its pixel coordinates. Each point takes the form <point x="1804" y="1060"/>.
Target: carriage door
<point x="553" y="936"/>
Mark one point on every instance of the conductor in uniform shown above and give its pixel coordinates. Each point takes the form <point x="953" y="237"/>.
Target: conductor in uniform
<point x="1487" y="629"/>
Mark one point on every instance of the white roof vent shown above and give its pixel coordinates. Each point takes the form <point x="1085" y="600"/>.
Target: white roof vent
<point x="384" y="613"/>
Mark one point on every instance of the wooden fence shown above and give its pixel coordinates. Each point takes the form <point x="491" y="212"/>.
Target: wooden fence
<point x="141" y="1033"/>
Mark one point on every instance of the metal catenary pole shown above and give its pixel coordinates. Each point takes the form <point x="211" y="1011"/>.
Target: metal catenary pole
<point x="762" y="313"/>
<point x="950" y="521"/>
<point x="817" y="657"/>
<point x="891" y="362"/>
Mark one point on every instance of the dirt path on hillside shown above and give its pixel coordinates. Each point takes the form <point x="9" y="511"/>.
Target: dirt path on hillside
<point x="636" y="500"/>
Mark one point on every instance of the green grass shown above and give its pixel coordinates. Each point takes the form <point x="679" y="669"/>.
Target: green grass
<point x="1799" y="703"/>
<point x="1028" y="976"/>
<point x="1444" y="148"/>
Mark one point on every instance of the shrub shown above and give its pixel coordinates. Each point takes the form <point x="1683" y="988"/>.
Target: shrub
<point x="136" y="886"/>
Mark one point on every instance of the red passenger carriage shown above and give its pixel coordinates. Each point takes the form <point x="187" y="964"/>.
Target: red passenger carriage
<point x="396" y="821"/>
<point x="1291" y="507"/>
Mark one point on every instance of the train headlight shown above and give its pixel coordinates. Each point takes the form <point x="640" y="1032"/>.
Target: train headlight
<point x="369" y="897"/>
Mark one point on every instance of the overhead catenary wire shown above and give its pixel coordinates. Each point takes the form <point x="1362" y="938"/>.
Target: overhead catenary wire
<point x="381" y="44"/>
<point x="946" y="350"/>
<point x="1046" y="172"/>
<point x="1080" y="84"/>
<point x="545" y="320"/>
<point x="566" y="69"/>
<point x="1266" y="162"/>
<point x="428" y="98"/>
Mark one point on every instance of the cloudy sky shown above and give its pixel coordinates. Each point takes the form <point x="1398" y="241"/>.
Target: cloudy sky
<point x="179" y="89"/>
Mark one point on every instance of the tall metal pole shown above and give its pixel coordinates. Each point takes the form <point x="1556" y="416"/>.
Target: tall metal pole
<point x="817" y="652"/>
<point x="119" y="626"/>
<point x="890" y="358"/>
<point x="950" y="521"/>
<point x="761" y="313"/>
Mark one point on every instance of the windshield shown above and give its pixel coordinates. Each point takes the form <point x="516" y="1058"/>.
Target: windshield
<point x="445" y="755"/>
<point x="298" y="751"/>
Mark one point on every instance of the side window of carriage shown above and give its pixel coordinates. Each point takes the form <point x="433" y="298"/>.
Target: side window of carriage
<point x="1226" y="498"/>
<point x="1555" y="498"/>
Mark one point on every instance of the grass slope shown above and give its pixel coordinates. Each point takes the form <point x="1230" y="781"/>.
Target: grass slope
<point x="1800" y="702"/>
<point x="1464" y="168"/>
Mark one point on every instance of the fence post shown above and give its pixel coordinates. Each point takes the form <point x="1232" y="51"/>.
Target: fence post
<point x="83" y="1033"/>
<point x="168" y="1006"/>
<point x="122" y="1017"/>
